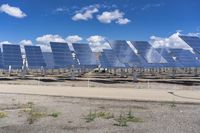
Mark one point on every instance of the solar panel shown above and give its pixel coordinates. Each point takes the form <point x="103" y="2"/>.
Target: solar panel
<point x="34" y="57"/>
<point x="124" y="53"/>
<point x="84" y="55"/>
<point x="110" y="60"/>
<point x="144" y="63"/>
<point x="12" y="56"/>
<point x="1" y="61"/>
<point x="185" y="57"/>
<point x="192" y="41"/>
<point x="149" y="53"/>
<point x="48" y="58"/>
<point x="104" y="61"/>
<point x="62" y="55"/>
<point x="197" y="55"/>
<point x="171" y="62"/>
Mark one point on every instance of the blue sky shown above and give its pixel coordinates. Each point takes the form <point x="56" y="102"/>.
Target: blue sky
<point x="110" y="19"/>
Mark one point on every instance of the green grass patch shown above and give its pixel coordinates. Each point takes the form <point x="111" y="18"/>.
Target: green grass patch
<point x="90" y="117"/>
<point x="131" y="118"/>
<point x="105" y="115"/>
<point x="33" y="116"/>
<point x="55" y="114"/>
<point x="123" y="119"/>
<point x="173" y="104"/>
<point x="3" y="114"/>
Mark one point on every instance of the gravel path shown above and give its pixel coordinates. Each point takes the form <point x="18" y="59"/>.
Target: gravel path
<point x="185" y="96"/>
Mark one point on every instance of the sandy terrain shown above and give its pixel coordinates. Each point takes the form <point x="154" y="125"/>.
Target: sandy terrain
<point x="179" y="95"/>
<point x="99" y="105"/>
<point x="155" y="117"/>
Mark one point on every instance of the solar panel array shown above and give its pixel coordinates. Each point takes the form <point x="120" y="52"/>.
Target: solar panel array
<point x="110" y="60"/>
<point x="144" y="63"/>
<point x="148" y="52"/>
<point x="84" y="55"/>
<point x="124" y="53"/>
<point x="62" y="55"/>
<point x="12" y="56"/>
<point x="1" y="61"/>
<point x="34" y="57"/>
<point x="185" y="57"/>
<point x="192" y="41"/>
<point x="171" y="62"/>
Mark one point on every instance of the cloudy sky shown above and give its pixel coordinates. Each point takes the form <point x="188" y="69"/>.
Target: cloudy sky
<point x="95" y="21"/>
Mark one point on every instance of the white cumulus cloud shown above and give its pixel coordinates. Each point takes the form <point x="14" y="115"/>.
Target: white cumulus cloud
<point x="5" y="42"/>
<point x="98" y="43"/>
<point x="95" y="39"/>
<point x="85" y="14"/>
<point x="123" y="21"/>
<point x="174" y="41"/>
<point x="46" y="39"/>
<point x="43" y="41"/>
<point x="117" y="16"/>
<point x="26" y="42"/>
<point x="73" y="39"/>
<point x="12" y="11"/>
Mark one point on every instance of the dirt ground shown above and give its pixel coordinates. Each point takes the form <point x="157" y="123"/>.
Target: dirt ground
<point x="23" y="113"/>
<point x="47" y="114"/>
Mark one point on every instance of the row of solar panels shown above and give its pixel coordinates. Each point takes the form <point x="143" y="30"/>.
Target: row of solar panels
<point x="123" y="54"/>
<point x="141" y="54"/>
<point x="61" y="56"/>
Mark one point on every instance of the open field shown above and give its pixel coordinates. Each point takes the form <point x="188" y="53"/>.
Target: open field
<point x="99" y="105"/>
<point x="47" y="114"/>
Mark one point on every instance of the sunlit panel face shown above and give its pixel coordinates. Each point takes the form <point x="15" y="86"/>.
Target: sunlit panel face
<point x="148" y="52"/>
<point x="84" y="55"/>
<point x="12" y="56"/>
<point x="34" y="57"/>
<point x="124" y="53"/>
<point x="62" y="55"/>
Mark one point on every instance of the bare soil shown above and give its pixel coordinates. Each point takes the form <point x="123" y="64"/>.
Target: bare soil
<point x="72" y="113"/>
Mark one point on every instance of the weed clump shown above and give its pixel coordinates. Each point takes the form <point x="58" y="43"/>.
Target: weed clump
<point x="90" y="117"/>
<point x="122" y="120"/>
<point x="101" y="114"/>
<point x="3" y="114"/>
<point x="33" y="116"/>
<point x="105" y="115"/>
<point x="173" y="104"/>
<point x="54" y="114"/>
<point x="34" y="113"/>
